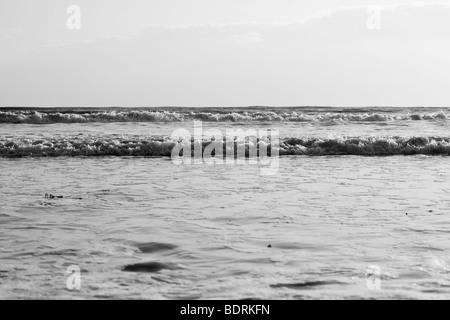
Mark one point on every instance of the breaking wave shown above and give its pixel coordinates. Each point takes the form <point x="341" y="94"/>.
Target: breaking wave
<point x="165" y="146"/>
<point x="48" y="116"/>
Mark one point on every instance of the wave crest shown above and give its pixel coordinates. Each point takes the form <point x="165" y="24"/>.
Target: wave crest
<point x="162" y="147"/>
<point x="40" y="117"/>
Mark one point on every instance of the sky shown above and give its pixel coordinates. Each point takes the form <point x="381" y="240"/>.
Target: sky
<point x="224" y="53"/>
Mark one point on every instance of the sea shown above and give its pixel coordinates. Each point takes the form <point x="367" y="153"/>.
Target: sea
<point x="96" y="204"/>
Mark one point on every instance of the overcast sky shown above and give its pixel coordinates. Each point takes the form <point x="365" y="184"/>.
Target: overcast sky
<point x="225" y="53"/>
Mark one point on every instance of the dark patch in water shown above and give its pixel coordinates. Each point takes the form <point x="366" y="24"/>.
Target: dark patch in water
<point x="305" y="285"/>
<point x="149" y="267"/>
<point x="50" y="196"/>
<point x="155" y="247"/>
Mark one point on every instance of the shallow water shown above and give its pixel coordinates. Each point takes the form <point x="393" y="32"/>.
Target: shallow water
<point x="146" y="228"/>
<point x="204" y="231"/>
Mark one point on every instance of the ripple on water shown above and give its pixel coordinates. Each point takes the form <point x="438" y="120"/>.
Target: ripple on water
<point x="307" y="284"/>
<point x="151" y="247"/>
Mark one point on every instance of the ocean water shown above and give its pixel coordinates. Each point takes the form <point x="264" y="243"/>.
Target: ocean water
<point x="357" y="208"/>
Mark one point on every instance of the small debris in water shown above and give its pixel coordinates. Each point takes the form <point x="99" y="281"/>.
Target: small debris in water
<point x="45" y="204"/>
<point x="50" y="196"/>
<point x="269" y="246"/>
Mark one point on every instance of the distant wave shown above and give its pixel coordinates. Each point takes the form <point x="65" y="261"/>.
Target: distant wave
<point x="41" y="117"/>
<point x="162" y="147"/>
